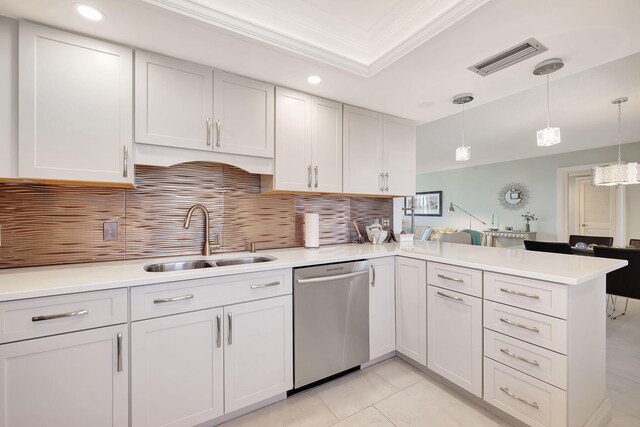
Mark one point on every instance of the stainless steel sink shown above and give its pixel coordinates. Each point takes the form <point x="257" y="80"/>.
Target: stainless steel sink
<point x="243" y="260"/>
<point x="179" y="266"/>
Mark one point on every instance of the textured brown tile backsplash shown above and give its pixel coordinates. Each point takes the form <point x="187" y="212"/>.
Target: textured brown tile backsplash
<point x="46" y="224"/>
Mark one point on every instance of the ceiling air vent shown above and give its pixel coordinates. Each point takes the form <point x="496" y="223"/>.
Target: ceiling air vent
<point x="511" y="56"/>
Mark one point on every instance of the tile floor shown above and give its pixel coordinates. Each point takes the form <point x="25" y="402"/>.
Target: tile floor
<point x="394" y="393"/>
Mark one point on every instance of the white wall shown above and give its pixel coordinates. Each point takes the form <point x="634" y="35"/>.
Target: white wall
<point x="8" y="97"/>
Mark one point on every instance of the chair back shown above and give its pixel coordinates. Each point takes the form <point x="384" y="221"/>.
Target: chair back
<point x="554" y="247"/>
<point x="625" y="281"/>
<point x="459" y="237"/>
<point x="635" y="243"/>
<point x="595" y="240"/>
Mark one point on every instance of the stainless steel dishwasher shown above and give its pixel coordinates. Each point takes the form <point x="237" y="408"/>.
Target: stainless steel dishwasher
<point x="331" y="320"/>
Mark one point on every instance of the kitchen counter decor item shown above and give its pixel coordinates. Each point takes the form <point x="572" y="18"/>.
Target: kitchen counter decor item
<point x="360" y="238"/>
<point x="311" y="230"/>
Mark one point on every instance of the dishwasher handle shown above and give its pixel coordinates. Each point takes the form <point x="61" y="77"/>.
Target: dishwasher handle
<point x="330" y="278"/>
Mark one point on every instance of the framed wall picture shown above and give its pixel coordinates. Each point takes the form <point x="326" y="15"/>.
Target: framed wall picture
<point x="427" y="203"/>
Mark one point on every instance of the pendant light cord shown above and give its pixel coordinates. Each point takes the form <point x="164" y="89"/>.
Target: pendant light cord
<point x="620" y="133"/>
<point x="548" y="108"/>
<point x="462" y="126"/>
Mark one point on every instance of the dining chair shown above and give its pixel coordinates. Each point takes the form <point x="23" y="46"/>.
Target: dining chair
<point x="554" y="247"/>
<point x="635" y="243"/>
<point x="624" y="282"/>
<point x="596" y="240"/>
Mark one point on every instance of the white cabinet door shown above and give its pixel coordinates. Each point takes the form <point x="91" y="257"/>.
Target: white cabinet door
<point x="362" y="149"/>
<point x="399" y="156"/>
<point x="258" y="351"/>
<point x="454" y="331"/>
<point x="411" y="308"/>
<point x="75" y="107"/>
<point x="327" y="145"/>
<point x="243" y="115"/>
<point x="174" y="104"/>
<point x="66" y="380"/>
<point x="382" y="307"/>
<point x="293" y="168"/>
<point x="177" y="369"/>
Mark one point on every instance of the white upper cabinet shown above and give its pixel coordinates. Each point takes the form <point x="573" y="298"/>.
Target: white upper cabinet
<point x="75" y="107"/>
<point x="174" y="103"/>
<point x="399" y="156"/>
<point x="326" y="142"/>
<point x="243" y="115"/>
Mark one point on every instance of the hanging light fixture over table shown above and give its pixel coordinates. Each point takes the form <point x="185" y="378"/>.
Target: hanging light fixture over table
<point x="463" y="153"/>
<point x="619" y="173"/>
<point x="548" y="136"/>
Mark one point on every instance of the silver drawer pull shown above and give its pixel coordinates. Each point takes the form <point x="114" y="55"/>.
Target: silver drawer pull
<point x="528" y="402"/>
<point x="453" y="279"/>
<point x="519" y="325"/>
<point x="59" y="316"/>
<point x="208" y="130"/>
<point x="219" y="327"/>
<point x="229" y="337"/>
<point x="515" y="356"/>
<point x="520" y="294"/>
<point x="180" y="298"/>
<point x="442" y="294"/>
<point x="265" y="285"/>
<point x="119" y="358"/>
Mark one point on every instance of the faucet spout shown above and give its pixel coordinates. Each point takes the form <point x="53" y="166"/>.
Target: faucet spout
<point x="206" y="250"/>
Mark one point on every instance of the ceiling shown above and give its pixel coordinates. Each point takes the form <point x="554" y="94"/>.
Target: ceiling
<point x="407" y="58"/>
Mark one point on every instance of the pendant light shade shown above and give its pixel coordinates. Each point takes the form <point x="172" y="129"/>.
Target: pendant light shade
<point x="619" y="173"/>
<point x="549" y="135"/>
<point x="463" y="153"/>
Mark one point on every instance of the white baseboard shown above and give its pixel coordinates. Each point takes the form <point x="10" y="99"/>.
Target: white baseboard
<point x="602" y="416"/>
<point x="244" y="411"/>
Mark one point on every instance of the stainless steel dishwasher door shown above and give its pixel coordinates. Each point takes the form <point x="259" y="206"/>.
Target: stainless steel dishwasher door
<point x="331" y="320"/>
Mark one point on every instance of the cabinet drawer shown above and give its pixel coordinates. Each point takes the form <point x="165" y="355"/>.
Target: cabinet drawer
<point x="189" y="295"/>
<point x="37" y="317"/>
<point x="459" y="279"/>
<point x="535" y="295"/>
<point x="545" y="331"/>
<point x="530" y="400"/>
<point x="538" y="362"/>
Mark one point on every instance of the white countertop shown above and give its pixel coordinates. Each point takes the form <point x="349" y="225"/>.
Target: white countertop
<point x="19" y="283"/>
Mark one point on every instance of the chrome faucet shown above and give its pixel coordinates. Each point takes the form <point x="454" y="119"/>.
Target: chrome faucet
<point x="206" y="250"/>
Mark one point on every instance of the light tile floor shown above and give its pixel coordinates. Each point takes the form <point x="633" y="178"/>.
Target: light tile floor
<point x="394" y="393"/>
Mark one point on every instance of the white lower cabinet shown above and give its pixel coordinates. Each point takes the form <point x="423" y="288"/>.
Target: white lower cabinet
<point x="382" y="309"/>
<point x="74" y="379"/>
<point x="411" y="308"/>
<point x="454" y="331"/>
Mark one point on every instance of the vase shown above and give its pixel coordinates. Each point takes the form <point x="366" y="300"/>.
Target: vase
<point x="527" y="227"/>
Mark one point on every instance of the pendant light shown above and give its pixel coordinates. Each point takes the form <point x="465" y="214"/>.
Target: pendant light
<point x="463" y="153"/>
<point x="548" y="136"/>
<point x="619" y="173"/>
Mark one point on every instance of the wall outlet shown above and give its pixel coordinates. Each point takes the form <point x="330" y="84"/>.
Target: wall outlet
<point x="109" y="231"/>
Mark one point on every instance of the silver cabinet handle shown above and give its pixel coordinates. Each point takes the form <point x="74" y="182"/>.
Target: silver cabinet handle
<point x="442" y="294"/>
<point x="528" y="402"/>
<point x="172" y="299"/>
<point x="381" y="181"/>
<point x="265" y="285"/>
<point x="521" y="294"/>
<point x="515" y="356"/>
<point x="373" y="276"/>
<point x="519" y="325"/>
<point x="218" y="126"/>
<point x="125" y="168"/>
<point x="386" y="179"/>
<point x="208" y="130"/>
<point x="329" y="278"/>
<point x="453" y="279"/>
<point x="229" y="339"/>
<point x="59" y="316"/>
<point x="309" y="176"/>
<point x="315" y="169"/>
<point x="219" y="327"/>
<point x="119" y="358"/>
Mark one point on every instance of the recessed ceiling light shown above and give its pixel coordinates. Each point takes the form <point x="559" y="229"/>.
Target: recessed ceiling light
<point x="314" y="80"/>
<point x="89" y="12"/>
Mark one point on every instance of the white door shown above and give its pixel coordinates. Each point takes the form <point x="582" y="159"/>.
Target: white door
<point x="174" y="104"/>
<point x="411" y="308"/>
<point x="382" y="307"/>
<point x="454" y="331"/>
<point x="596" y="209"/>
<point x="362" y="151"/>
<point x="399" y="156"/>
<point x="75" y="107"/>
<point x="75" y="379"/>
<point x="258" y="351"/>
<point x="327" y="145"/>
<point x="293" y="168"/>
<point x="243" y="115"/>
<point x="177" y="369"/>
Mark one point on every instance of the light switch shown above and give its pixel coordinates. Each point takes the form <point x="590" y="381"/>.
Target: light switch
<point x="110" y="231"/>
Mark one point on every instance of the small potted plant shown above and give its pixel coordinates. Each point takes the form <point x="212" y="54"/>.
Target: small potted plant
<point x="528" y="217"/>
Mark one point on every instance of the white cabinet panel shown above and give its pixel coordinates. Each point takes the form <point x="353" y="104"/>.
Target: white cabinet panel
<point x="362" y="148"/>
<point x="459" y="279"/>
<point x="454" y="331"/>
<point x="399" y="156"/>
<point x="382" y="308"/>
<point x="177" y="369"/>
<point x="75" y="107"/>
<point x="411" y="308"/>
<point x="66" y="380"/>
<point x="243" y="115"/>
<point x="326" y="140"/>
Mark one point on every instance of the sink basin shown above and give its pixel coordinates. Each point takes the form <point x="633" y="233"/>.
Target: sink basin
<point x="243" y="260"/>
<point x="179" y="266"/>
